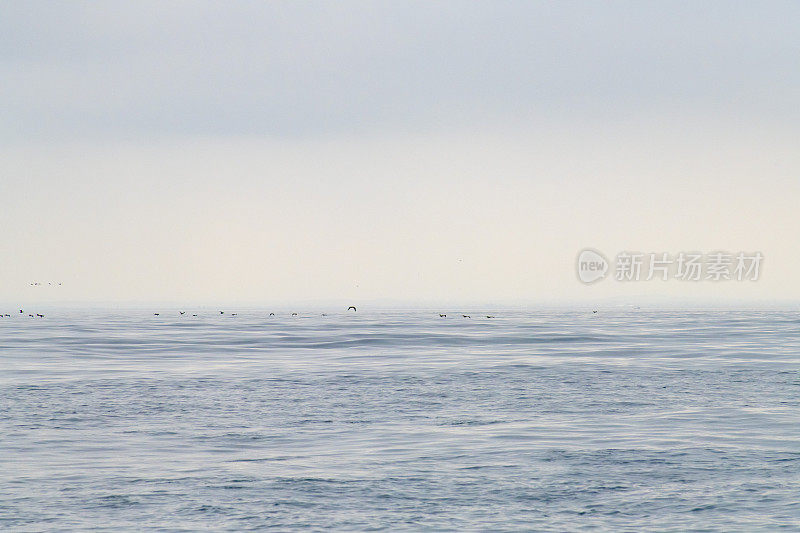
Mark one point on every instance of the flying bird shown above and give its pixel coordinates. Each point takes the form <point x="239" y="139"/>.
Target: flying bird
<point x="466" y="316"/>
<point x="294" y="314"/>
<point x="353" y="307"/>
<point x="442" y="316"/>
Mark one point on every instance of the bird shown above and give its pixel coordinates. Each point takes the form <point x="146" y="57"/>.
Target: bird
<point x="442" y="316"/>
<point x="182" y="312"/>
<point x="353" y="307"/>
<point x="294" y="314"/>
<point x="234" y="314"/>
<point x="30" y="316"/>
<point x="324" y="314"/>
<point x="466" y="316"/>
<point x="594" y="311"/>
<point x="272" y="314"/>
<point x="156" y="314"/>
<point x="489" y="316"/>
<point x="40" y="316"/>
<point x="194" y="315"/>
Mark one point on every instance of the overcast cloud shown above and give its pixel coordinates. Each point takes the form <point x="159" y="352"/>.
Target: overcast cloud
<point x="131" y="69"/>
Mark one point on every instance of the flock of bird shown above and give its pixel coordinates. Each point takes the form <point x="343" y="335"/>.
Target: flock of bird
<point x="22" y="312"/>
<point x="181" y="313"/>
<point x="351" y="308"/>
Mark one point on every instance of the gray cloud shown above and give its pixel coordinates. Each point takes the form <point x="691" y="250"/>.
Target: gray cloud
<point x="125" y="70"/>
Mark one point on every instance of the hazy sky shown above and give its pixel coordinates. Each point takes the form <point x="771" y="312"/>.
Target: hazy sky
<point x="439" y="151"/>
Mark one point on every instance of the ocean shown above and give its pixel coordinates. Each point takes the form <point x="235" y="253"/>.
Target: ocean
<point x="535" y="419"/>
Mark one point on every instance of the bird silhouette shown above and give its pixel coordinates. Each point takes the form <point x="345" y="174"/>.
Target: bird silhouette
<point x="272" y="314"/>
<point x="353" y="307"/>
<point x="182" y="312"/>
<point x="294" y="314"/>
<point x="466" y="316"/>
<point x="442" y="316"/>
<point x="156" y="314"/>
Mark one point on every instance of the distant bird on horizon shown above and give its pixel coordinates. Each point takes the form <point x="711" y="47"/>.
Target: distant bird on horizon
<point x="156" y="314"/>
<point x="272" y="314"/>
<point x="324" y="314"/>
<point x="594" y="311"/>
<point x="30" y="316"/>
<point x="353" y="307"/>
<point x="488" y="316"/>
<point x="466" y="316"/>
<point x="182" y="312"/>
<point x="442" y="316"/>
<point x="234" y="314"/>
<point x="40" y="316"/>
<point x="194" y="315"/>
<point x="294" y="314"/>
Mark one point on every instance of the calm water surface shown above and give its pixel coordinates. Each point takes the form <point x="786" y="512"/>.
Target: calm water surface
<point x="625" y="420"/>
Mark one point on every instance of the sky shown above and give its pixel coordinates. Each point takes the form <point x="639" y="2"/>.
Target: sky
<point x="266" y="152"/>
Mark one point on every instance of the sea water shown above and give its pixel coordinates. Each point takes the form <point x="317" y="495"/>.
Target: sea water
<point x="547" y="420"/>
